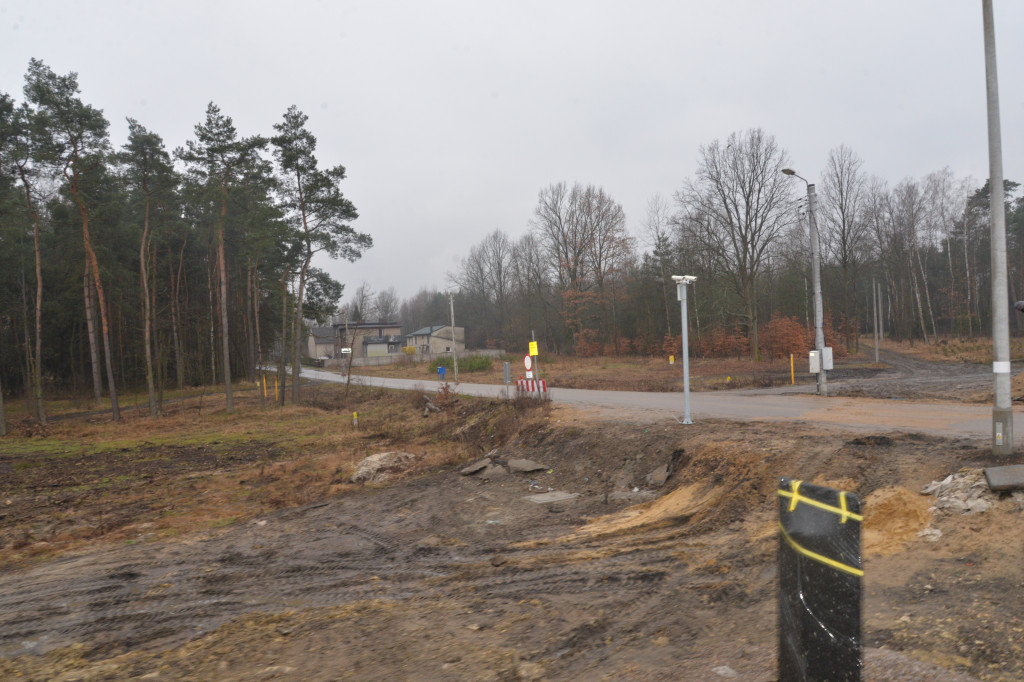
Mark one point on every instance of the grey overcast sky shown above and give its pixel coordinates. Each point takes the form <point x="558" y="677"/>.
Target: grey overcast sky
<point x="450" y="116"/>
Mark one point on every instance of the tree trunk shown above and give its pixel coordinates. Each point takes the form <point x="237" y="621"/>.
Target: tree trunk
<point x="3" y="414"/>
<point x="229" y="401"/>
<point x="920" y="308"/>
<point x="35" y="363"/>
<point x="101" y="298"/>
<point x="283" y="360"/>
<point x="213" y="338"/>
<point x="175" y="285"/>
<point x="250" y="336"/>
<point x="297" y="331"/>
<point x="256" y="329"/>
<point x="90" y="323"/>
<point x="967" y="282"/>
<point x="147" y="333"/>
<point x="29" y="372"/>
<point x="927" y="294"/>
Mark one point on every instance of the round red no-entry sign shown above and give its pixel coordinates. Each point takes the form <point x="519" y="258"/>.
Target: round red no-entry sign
<point x="527" y="362"/>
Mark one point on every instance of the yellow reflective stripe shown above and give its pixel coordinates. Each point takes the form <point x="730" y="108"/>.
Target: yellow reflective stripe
<point x="820" y="558"/>
<point x="841" y="511"/>
<point x="796" y="495"/>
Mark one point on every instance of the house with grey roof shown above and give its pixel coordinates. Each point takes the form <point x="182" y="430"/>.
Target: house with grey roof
<point x="436" y="339"/>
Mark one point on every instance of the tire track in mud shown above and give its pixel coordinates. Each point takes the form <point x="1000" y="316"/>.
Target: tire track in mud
<point x="136" y="596"/>
<point x="142" y="596"/>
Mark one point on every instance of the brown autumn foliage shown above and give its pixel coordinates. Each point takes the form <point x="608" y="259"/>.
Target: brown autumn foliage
<point x="588" y="345"/>
<point x="728" y="343"/>
<point x="783" y="335"/>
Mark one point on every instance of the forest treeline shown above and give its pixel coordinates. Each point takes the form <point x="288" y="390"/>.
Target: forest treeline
<point x="587" y="283"/>
<point x="141" y="265"/>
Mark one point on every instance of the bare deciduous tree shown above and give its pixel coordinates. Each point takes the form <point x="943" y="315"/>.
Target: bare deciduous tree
<point x="658" y="236"/>
<point x="735" y="207"/>
<point x="386" y="303"/>
<point x="844" y="233"/>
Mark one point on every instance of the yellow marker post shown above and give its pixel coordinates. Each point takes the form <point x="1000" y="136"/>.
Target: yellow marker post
<point x="792" y="374"/>
<point x="276" y="398"/>
<point x="264" y="385"/>
<point x="671" y="359"/>
<point x="355" y="420"/>
<point x="534" y="354"/>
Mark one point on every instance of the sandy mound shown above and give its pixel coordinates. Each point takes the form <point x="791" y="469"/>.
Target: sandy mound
<point x="893" y="516"/>
<point x="680" y="503"/>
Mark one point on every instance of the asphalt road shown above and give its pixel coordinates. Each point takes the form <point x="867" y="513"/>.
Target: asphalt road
<point x="773" y="404"/>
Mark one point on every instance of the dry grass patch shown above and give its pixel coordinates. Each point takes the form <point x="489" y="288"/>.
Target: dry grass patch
<point x="141" y="478"/>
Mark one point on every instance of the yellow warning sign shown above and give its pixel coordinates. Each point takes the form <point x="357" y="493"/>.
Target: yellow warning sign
<point x="533" y="348"/>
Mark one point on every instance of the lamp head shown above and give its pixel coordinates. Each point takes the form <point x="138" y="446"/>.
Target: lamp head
<point x="684" y="279"/>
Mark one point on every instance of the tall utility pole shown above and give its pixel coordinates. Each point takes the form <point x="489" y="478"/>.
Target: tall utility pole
<point x="1002" y="412"/>
<point x="819" y="332"/>
<point x="455" y="349"/>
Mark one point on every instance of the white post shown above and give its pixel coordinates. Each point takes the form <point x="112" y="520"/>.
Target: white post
<point x="1002" y="412"/>
<point x="681" y="282"/>
<point x="686" y="359"/>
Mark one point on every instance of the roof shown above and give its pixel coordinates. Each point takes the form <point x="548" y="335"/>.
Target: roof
<point x="323" y="335"/>
<point x="428" y="331"/>
<point x="368" y="325"/>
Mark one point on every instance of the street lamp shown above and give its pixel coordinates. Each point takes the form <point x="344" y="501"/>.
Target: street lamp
<point x="681" y="282"/>
<point x="819" y="333"/>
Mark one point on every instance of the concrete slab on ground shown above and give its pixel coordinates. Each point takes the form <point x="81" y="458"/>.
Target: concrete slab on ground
<point x="553" y="496"/>
<point x="1006" y="477"/>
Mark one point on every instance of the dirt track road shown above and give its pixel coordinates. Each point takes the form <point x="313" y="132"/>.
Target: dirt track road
<point x="930" y="416"/>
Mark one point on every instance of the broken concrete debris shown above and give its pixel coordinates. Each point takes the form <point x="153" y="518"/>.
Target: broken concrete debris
<point x="493" y="472"/>
<point x="382" y="466"/>
<point x="657" y="478"/>
<point x="965" y="492"/>
<point x="476" y="467"/>
<point x="525" y="466"/>
<point x="553" y="496"/>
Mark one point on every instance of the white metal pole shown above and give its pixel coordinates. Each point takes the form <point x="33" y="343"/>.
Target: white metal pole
<point x="1002" y="412"/>
<point x="686" y="357"/>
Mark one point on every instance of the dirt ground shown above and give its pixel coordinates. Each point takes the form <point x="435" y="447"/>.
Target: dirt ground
<point x="234" y="548"/>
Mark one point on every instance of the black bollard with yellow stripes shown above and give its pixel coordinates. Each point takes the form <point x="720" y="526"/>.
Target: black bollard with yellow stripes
<point x="820" y="583"/>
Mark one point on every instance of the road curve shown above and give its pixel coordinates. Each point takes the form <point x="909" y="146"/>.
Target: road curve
<point x="789" y="404"/>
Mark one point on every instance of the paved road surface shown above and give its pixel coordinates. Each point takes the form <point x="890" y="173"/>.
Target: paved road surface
<point x="773" y="404"/>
